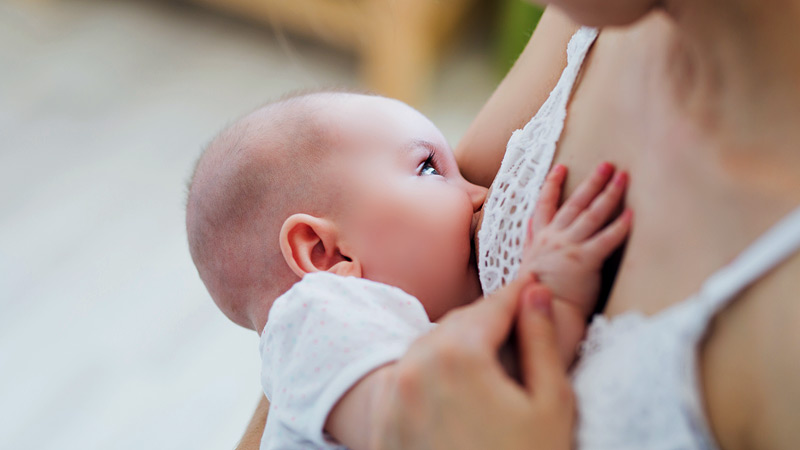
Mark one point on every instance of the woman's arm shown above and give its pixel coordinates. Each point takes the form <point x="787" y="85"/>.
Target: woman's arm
<point x="517" y="99"/>
<point x="255" y="429"/>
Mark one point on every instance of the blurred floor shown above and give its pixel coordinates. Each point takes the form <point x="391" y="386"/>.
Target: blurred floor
<point x="107" y="337"/>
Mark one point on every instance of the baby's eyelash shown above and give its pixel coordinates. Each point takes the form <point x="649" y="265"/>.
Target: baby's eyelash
<point x="433" y="159"/>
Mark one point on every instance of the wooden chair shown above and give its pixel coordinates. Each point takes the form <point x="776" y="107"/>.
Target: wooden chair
<point x="398" y="41"/>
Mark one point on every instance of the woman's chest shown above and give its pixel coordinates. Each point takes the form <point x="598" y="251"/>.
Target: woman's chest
<point x="612" y="113"/>
<point x="621" y="112"/>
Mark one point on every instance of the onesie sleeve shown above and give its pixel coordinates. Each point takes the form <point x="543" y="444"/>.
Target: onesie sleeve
<point x="324" y="335"/>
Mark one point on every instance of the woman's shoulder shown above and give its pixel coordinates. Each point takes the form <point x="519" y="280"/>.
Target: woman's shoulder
<point x="750" y="364"/>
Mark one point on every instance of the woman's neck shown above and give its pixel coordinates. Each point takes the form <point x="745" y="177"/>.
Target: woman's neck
<point x="721" y="158"/>
<point x="736" y="72"/>
<point x="736" y="69"/>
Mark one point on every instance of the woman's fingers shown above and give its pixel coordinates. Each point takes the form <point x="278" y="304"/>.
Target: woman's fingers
<point x="446" y="392"/>
<point x="600" y="210"/>
<point x="543" y="371"/>
<point x="583" y="195"/>
<point x="547" y="204"/>
<point x="487" y="321"/>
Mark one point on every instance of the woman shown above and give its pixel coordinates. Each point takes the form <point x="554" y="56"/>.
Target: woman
<point x="699" y="101"/>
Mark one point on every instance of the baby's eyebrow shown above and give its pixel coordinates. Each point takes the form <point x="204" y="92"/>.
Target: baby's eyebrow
<point x="417" y="143"/>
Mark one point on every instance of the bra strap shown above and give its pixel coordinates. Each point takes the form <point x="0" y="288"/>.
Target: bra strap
<point x="769" y="250"/>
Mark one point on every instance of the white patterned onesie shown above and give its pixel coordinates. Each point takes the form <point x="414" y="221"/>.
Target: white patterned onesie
<point x="324" y="335"/>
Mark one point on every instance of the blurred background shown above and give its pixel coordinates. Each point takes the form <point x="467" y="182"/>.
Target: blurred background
<point x="108" y="338"/>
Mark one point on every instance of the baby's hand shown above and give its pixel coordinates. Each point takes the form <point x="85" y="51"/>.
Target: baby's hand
<point x="566" y="246"/>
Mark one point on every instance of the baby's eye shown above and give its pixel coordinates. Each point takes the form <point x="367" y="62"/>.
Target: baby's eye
<point x="427" y="167"/>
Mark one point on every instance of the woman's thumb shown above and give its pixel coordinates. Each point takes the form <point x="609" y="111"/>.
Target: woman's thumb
<point x="540" y="360"/>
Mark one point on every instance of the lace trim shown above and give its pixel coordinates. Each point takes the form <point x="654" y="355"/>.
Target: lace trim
<point x="636" y="382"/>
<point x="603" y="331"/>
<point x="529" y="154"/>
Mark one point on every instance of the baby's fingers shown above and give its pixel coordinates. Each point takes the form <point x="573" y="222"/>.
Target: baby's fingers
<point x="583" y="195"/>
<point x="606" y="241"/>
<point x="599" y="212"/>
<point x="547" y="204"/>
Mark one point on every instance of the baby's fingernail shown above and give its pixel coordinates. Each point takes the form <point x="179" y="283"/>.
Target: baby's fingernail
<point x="621" y="179"/>
<point x="605" y="168"/>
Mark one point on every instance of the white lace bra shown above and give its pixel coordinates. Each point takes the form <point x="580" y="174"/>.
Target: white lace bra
<point x="529" y="154"/>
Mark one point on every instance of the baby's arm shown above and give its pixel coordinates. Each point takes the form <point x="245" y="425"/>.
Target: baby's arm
<point x="350" y="421"/>
<point x="326" y="344"/>
<point x="566" y="246"/>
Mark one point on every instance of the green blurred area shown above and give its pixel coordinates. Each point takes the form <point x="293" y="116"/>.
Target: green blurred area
<point x="516" y="21"/>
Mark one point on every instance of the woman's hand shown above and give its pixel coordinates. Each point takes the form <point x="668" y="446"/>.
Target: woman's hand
<point x="450" y="391"/>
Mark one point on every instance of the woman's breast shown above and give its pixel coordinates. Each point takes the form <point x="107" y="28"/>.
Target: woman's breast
<point x="620" y="112"/>
<point x="609" y="116"/>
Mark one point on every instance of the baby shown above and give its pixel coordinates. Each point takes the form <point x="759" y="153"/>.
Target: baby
<point x="339" y="224"/>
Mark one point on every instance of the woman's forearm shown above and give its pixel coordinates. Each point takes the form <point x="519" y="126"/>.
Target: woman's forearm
<point x="255" y="429"/>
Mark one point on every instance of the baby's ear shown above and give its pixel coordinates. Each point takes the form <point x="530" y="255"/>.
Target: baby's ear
<point x="311" y="244"/>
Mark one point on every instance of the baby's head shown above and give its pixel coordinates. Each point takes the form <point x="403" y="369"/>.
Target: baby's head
<point x="357" y="185"/>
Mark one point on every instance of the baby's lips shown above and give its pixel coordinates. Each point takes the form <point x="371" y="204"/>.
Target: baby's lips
<point x="477" y="220"/>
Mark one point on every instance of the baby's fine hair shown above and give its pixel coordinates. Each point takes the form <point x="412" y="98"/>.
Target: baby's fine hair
<point x="254" y="174"/>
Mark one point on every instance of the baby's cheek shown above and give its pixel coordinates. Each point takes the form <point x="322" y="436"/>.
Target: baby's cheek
<point x="382" y="230"/>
